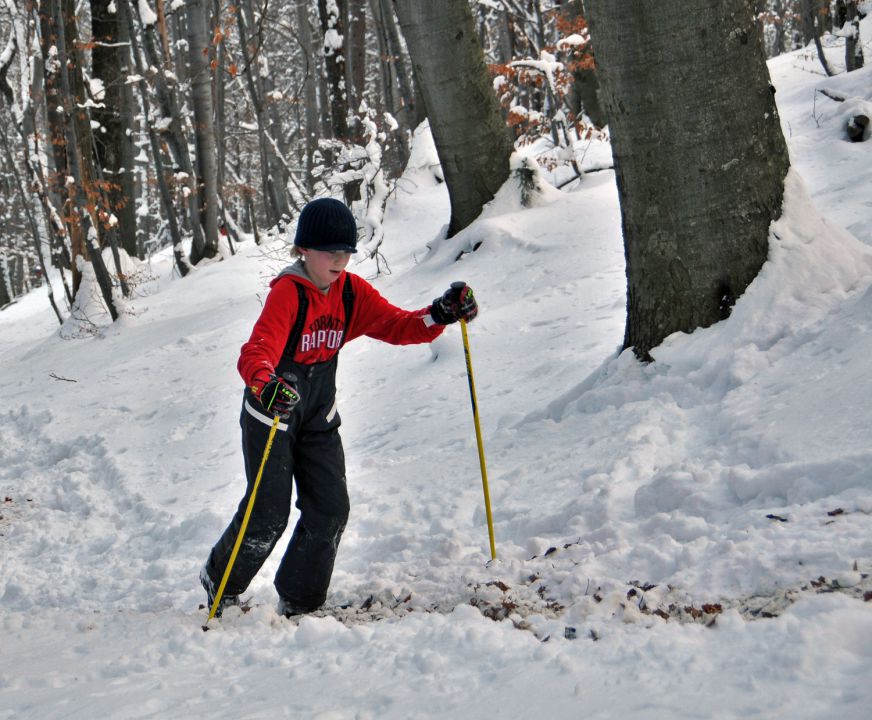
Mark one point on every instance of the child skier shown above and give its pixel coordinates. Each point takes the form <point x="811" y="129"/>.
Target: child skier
<point x="289" y="367"/>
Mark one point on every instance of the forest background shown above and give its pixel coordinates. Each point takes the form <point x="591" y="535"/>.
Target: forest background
<point x="197" y="124"/>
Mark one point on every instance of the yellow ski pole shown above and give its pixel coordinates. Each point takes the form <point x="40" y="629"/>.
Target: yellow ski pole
<point x="244" y="525"/>
<point x="487" y="505"/>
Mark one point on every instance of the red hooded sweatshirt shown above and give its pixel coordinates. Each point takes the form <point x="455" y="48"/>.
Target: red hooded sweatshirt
<point x="326" y="326"/>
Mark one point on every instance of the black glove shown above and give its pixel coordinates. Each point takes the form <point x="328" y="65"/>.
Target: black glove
<point x="277" y="395"/>
<point x="457" y="303"/>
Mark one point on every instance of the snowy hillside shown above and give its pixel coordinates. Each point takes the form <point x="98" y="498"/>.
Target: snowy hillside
<point x="688" y="539"/>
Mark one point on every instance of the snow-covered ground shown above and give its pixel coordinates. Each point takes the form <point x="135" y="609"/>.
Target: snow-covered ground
<point x="688" y="539"/>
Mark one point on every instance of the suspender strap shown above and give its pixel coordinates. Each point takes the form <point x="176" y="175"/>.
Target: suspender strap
<point x="297" y="330"/>
<point x="348" y="304"/>
<point x="302" y="310"/>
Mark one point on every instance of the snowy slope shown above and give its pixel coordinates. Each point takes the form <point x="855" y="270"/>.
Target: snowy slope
<point x="648" y="519"/>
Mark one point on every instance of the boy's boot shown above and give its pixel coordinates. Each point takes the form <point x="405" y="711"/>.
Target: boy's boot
<point x="288" y="609"/>
<point x="226" y="600"/>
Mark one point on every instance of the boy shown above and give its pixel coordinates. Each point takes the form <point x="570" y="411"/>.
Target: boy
<point x="289" y="367"/>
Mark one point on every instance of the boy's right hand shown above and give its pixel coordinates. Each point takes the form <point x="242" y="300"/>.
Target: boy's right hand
<point x="277" y="394"/>
<point x="456" y="303"/>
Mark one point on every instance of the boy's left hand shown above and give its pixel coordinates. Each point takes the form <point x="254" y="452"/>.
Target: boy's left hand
<point x="457" y="303"/>
<point x="277" y="395"/>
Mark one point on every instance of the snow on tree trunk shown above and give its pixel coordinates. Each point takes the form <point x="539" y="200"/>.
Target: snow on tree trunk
<point x="699" y="155"/>
<point x="77" y="184"/>
<point x="848" y="20"/>
<point x="260" y="90"/>
<point x="199" y="58"/>
<point x="126" y="19"/>
<point x="331" y="13"/>
<point x="113" y="113"/>
<point x="165" y="83"/>
<point x="471" y="138"/>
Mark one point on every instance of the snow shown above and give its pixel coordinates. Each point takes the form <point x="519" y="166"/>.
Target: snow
<point x="687" y="539"/>
<point x="146" y="14"/>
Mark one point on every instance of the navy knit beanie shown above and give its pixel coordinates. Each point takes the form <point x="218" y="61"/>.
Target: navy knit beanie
<point x="326" y="224"/>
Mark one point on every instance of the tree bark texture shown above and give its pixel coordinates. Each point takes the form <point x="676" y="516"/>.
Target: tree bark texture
<point x="848" y="20"/>
<point x="814" y="17"/>
<point x="310" y="90"/>
<point x="356" y="52"/>
<point x="113" y="139"/>
<point x="78" y="208"/>
<point x="699" y="155"/>
<point x="5" y="284"/>
<point x="204" y="134"/>
<point x="584" y="93"/>
<point x="335" y="46"/>
<point x="125" y="15"/>
<point x="413" y="113"/>
<point x="167" y="96"/>
<point x="35" y="234"/>
<point x="471" y="138"/>
<point x="272" y="172"/>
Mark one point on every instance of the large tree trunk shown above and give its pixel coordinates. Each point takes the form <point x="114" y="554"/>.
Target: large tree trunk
<point x="113" y="139"/>
<point x="272" y="172"/>
<point x="310" y="91"/>
<point x="199" y="58"/>
<point x="356" y="52"/>
<point x="471" y="138"/>
<point x="699" y="155"/>
<point x="79" y="204"/>
<point x="125" y="16"/>
<point x="168" y="100"/>
<point x="335" y="45"/>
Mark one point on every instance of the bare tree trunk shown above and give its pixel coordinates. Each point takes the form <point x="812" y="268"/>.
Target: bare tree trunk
<point x="310" y="91"/>
<point x="220" y="90"/>
<point x="94" y="184"/>
<point x="471" y="138"/>
<point x="170" y="109"/>
<point x="78" y="213"/>
<point x="848" y="19"/>
<point x="408" y="108"/>
<point x="397" y="154"/>
<point x="126" y="19"/>
<point x="31" y="221"/>
<point x="412" y="103"/>
<point x="779" y="44"/>
<point x="5" y="283"/>
<point x="696" y="205"/>
<point x="357" y="52"/>
<point x="334" y="61"/>
<point x="23" y="110"/>
<point x="506" y="38"/>
<point x="47" y="37"/>
<point x="199" y="58"/>
<point x="113" y="137"/>
<point x="813" y="21"/>
<point x="584" y="94"/>
<point x="273" y="173"/>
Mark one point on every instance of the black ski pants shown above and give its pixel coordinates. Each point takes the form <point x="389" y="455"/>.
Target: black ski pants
<point x="307" y="450"/>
